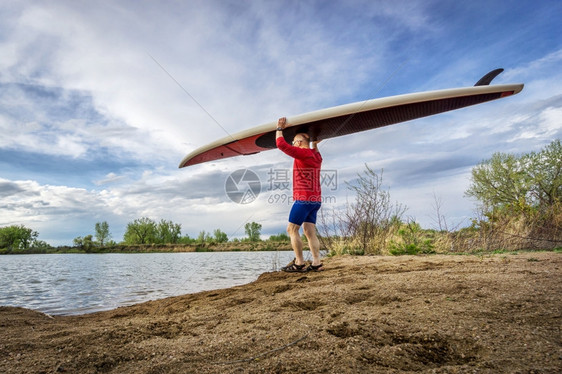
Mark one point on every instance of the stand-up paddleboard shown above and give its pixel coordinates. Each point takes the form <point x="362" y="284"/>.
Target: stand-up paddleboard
<point x="355" y="117"/>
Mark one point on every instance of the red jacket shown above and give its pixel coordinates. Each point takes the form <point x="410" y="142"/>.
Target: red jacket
<point x="306" y="171"/>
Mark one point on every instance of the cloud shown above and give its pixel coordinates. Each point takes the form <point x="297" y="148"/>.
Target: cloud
<point x="29" y="199"/>
<point x="109" y="178"/>
<point x="8" y="188"/>
<point x="536" y="67"/>
<point x="56" y="122"/>
<point x="543" y="125"/>
<point x="252" y="61"/>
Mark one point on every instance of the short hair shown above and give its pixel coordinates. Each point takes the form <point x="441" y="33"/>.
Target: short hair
<point x="304" y="135"/>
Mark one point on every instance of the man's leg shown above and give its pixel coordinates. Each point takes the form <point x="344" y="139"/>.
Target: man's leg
<point x="313" y="242"/>
<point x="296" y="242"/>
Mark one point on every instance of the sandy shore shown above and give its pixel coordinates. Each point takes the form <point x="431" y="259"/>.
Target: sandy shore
<point x="429" y="314"/>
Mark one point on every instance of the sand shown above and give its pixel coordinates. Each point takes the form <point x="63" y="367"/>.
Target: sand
<point x="367" y="314"/>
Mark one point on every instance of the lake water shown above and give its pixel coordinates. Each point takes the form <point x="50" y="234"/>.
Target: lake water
<point x="83" y="283"/>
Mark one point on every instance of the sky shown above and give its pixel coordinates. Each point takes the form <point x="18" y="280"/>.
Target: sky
<point x="100" y="101"/>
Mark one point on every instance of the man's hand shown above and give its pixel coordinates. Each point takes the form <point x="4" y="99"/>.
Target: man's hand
<point x="282" y="122"/>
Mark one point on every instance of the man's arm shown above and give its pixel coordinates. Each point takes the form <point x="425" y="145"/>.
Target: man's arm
<point x="281" y="123"/>
<point x="288" y="149"/>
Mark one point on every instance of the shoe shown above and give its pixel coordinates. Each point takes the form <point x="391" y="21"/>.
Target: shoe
<point x="294" y="268"/>
<point x="315" y="267"/>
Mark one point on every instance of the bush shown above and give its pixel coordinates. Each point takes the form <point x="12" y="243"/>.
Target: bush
<point x="412" y="240"/>
<point x="365" y="225"/>
<point x="282" y="237"/>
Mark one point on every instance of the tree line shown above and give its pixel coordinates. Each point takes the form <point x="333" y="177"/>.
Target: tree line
<point x="146" y="231"/>
<point x="141" y="231"/>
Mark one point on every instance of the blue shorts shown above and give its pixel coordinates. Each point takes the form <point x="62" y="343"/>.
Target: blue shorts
<point x="304" y="211"/>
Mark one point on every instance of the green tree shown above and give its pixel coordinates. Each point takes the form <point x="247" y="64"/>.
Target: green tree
<point x="203" y="237"/>
<point x="220" y="236"/>
<point x="519" y="182"/>
<point x="168" y="232"/>
<point x="41" y="244"/>
<point x="282" y="237"/>
<point x="86" y="243"/>
<point x="186" y="239"/>
<point x="17" y="237"/>
<point x="500" y="181"/>
<point x="102" y="233"/>
<point x="140" y="231"/>
<point x="545" y="170"/>
<point x="253" y="230"/>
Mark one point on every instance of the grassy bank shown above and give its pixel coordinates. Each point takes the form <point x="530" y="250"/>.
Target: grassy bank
<point x="163" y="248"/>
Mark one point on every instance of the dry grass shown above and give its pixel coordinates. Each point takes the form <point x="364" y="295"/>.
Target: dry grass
<point x="533" y="230"/>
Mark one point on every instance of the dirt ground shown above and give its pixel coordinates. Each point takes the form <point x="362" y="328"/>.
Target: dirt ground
<point x="429" y="314"/>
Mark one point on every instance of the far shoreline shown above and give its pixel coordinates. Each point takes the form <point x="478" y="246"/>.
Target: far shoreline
<point x="261" y="246"/>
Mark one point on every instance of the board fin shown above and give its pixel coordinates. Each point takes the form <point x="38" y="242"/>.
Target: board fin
<point x="488" y="78"/>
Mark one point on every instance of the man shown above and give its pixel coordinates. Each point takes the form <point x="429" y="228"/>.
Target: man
<point x="306" y="197"/>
